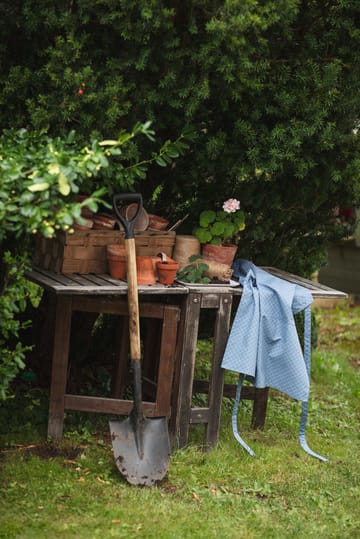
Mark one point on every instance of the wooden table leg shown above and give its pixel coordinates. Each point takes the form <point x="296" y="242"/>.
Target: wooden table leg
<point x="259" y="408"/>
<point x="216" y="382"/>
<point x="167" y="360"/>
<point x="59" y="366"/>
<point x="185" y="365"/>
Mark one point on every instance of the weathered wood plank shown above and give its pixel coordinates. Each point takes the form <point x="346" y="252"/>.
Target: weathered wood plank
<point x="59" y="278"/>
<point x="114" y="305"/>
<point x="182" y="393"/>
<point x="105" y="405"/>
<point x="260" y="407"/>
<point x="46" y="282"/>
<point x="167" y="358"/>
<point x="318" y="290"/>
<point x="216" y="381"/>
<point x="229" y="391"/>
<point x="59" y="367"/>
<point x="96" y="279"/>
<point x="199" y="415"/>
<point x="82" y="279"/>
<point x="76" y="284"/>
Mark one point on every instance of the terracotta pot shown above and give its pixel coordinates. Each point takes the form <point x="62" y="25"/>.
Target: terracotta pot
<point x="224" y="254"/>
<point x="167" y="269"/>
<point x="145" y="270"/>
<point x="117" y="268"/>
<point x="154" y="260"/>
<point x="104" y="222"/>
<point x="157" y="223"/>
<point x="116" y="261"/>
<point x="116" y="249"/>
<point x="142" y="222"/>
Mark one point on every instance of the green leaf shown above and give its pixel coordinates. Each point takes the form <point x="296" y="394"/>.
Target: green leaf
<point x="37" y="187"/>
<point x="108" y="143"/>
<point x="161" y="162"/>
<point x="90" y="203"/>
<point x="207" y="217"/>
<point x="64" y="186"/>
<point x="173" y="153"/>
<point x="67" y="220"/>
<point x="54" y="169"/>
<point x="218" y="229"/>
<point x="11" y="207"/>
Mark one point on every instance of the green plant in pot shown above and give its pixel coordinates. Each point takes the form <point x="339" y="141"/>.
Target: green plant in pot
<point x="194" y="272"/>
<point x="222" y="229"/>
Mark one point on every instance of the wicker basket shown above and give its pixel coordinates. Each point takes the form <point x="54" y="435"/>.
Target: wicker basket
<point x="85" y="251"/>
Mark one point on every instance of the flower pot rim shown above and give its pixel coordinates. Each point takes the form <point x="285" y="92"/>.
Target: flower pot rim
<point x="220" y="244"/>
<point x="169" y="265"/>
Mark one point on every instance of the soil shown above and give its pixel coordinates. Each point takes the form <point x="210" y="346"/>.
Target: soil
<point x="48" y="451"/>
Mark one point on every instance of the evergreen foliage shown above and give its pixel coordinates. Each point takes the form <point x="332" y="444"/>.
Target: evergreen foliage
<point x="271" y="89"/>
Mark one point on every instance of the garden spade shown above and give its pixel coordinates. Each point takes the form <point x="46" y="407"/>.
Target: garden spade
<point x="141" y="445"/>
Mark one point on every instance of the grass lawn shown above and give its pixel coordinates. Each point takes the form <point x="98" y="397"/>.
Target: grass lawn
<point x="73" y="489"/>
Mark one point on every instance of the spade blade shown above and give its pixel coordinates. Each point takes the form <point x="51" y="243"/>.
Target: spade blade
<point x="145" y="467"/>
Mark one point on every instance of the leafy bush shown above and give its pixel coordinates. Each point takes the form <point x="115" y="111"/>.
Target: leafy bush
<point x="12" y="302"/>
<point x="270" y="88"/>
<point x="40" y="178"/>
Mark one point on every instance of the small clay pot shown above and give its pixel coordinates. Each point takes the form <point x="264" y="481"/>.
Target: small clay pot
<point x="154" y="260"/>
<point x="157" y="223"/>
<point x="104" y="222"/>
<point x="141" y="223"/>
<point x="145" y="270"/>
<point x="116" y="261"/>
<point x="167" y="269"/>
<point x="116" y="250"/>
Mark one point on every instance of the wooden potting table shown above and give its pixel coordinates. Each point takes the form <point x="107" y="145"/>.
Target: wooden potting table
<point x="169" y="356"/>
<point x="223" y="299"/>
<point x="100" y="294"/>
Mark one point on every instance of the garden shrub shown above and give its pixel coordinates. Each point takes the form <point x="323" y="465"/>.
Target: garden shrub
<point x="269" y="89"/>
<point x="40" y="177"/>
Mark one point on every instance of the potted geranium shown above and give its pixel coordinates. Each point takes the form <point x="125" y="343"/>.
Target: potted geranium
<point x="219" y="231"/>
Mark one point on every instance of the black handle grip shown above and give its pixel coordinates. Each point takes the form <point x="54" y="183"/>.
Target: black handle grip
<point x="128" y="197"/>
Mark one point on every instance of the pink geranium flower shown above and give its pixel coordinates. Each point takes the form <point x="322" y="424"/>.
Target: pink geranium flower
<point x="231" y="205"/>
<point x="221" y="227"/>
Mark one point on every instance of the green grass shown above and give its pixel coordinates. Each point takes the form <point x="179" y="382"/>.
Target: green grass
<point x="73" y="489"/>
